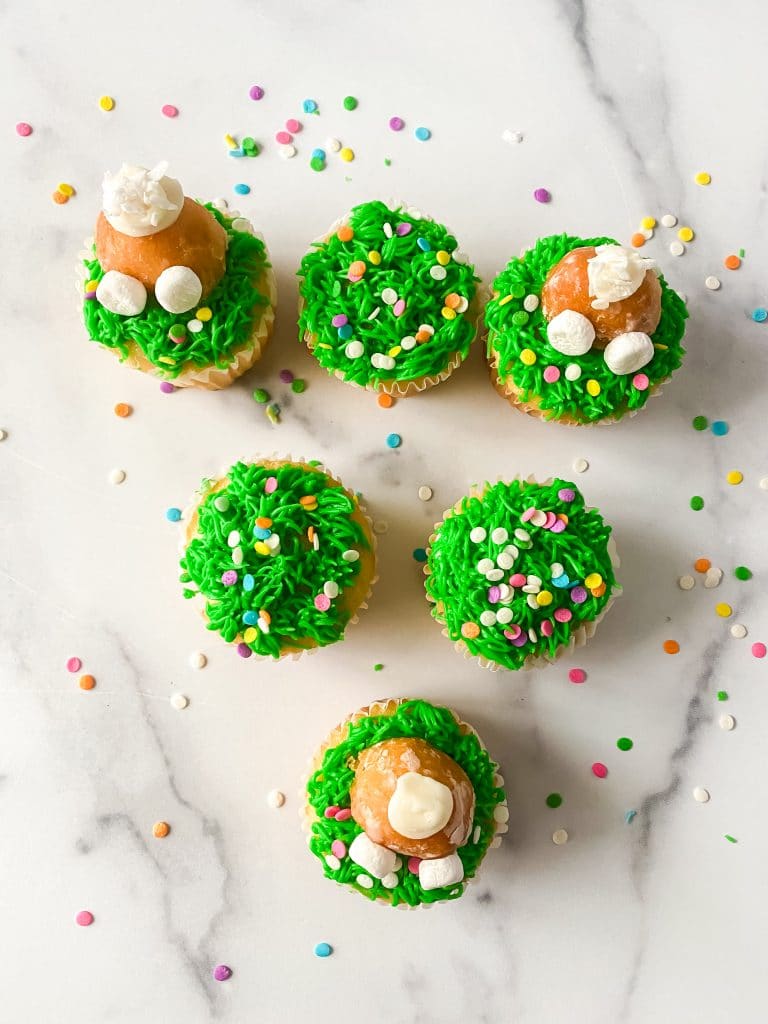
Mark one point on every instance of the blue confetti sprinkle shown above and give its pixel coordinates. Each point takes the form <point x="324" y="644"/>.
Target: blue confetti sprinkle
<point x="318" y="154"/>
<point x="561" y="581"/>
<point x="760" y="315"/>
<point x="250" y="618"/>
<point x="261" y="532"/>
<point x="309" y="106"/>
<point x="423" y="244"/>
<point x="720" y="428"/>
<point x="630" y="816"/>
<point x="323" y="949"/>
<point x="237" y="152"/>
<point x="419" y="555"/>
<point x="173" y="515"/>
<point x="248" y="582"/>
<point x="422" y="134"/>
<point x="345" y="331"/>
<point x="242" y="189"/>
<point x="394" y="440"/>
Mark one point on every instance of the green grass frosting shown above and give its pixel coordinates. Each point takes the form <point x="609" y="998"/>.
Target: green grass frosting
<point x="493" y="534"/>
<point x="235" y="303"/>
<point x="399" y="251"/>
<point x="511" y="329"/>
<point x="330" y="786"/>
<point x="238" y="581"/>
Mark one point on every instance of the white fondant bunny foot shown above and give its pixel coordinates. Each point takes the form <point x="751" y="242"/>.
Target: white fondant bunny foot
<point x="121" y="293"/>
<point x="178" y="289"/>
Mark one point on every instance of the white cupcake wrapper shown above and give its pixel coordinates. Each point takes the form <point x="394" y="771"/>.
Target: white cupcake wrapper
<point x="189" y="530"/>
<point x="308" y="817"/>
<point x="404" y="388"/>
<point x="209" y="378"/>
<point x="578" y="637"/>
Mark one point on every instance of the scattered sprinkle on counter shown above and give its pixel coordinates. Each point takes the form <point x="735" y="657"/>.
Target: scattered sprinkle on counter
<point x="173" y="515"/>
<point x="166" y="387"/>
<point x="394" y="440"/>
<point x="275" y="798"/>
<point x="378" y="667"/>
<point x="624" y="743"/>
<point x="760" y="315"/>
<point x="106" y="103"/>
<point x="169" y="110"/>
<point x="701" y="795"/>
<point x="24" y="129"/>
<point x="759" y="650"/>
<point x="697" y="503"/>
<point x="123" y="410"/>
<point x="734" y="477"/>
<point x="560" y="837"/>
<point x="727" y="722"/>
<point x="712" y="282"/>
<point x="385" y="401"/>
<point x="241" y="188"/>
<point x="577" y="675"/>
<point x="722" y="695"/>
<point x="87" y="682"/>
<point x="197" y="660"/>
<point x="542" y="195"/>
<point x="686" y="582"/>
<point x="685" y="234"/>
<point x="671" y="647"/>
<point x="554" y="800"/>
<point x="599" y="770"/>
<point x="723" y="610"/>
<point x="261" y="396"/>
<point x="350" y="103"/>
<point x="419" y="555"/>
<point x="630" y="816"/>
<point x="580" y="465"/>
<point x="422" y="134"/>
<point x="179" y="701"/>
<point x="298" y="386"/>
<point x="117" y="476"/>
<point x="323" y="949"/>
<point x="741" y="572"/>
<point x="84" y="918"/>
<point x="161" y="829"/>
<point x="732" y="262"/>
<point x="74" y="664"/>
<point x="731" y="839"/>
<point x="720" y="428"/>
<point x="396" y="124"/>
<point x="256" y="92"/>
<point x="738" y="631"/>
<point x="425" y="493"/>
<point x="222" y="972"/>
<point x="703" y="178"/>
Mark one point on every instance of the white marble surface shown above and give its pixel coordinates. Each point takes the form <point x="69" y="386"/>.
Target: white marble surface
<point x="661" y="920"/>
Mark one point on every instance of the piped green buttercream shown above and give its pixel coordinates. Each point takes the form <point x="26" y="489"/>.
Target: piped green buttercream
<point x="463" y="593"/>
<point x="511" y="329"/>
<point x="330" y="786"/>
<point x="405" y="266"/>
<point x="235" y="303"/>
<point x="284" y="584"/>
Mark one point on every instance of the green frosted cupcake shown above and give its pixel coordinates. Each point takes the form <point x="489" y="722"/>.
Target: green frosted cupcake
<point x="519" y="573"/>
<point x="582" y="331"/>
<point x="386" y="300"/>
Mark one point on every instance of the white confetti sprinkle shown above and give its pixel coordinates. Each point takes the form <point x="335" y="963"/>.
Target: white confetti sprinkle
<point x="504" y="615"/>
<point x="425" y="493"/>
<point x="331" y="589"/>
<point x="287" y="152"/>
<point x="701" y="795"/>
<point x="500" y="535"/>
<point x="713" y="578"/>
<point x="513" y="138"/>
<point x="530" y="303"/>
<point x="647" y="233"/>
<point x="560" y="837"/>
<point x="197" y="660"/>
<point x="580" y="465"/>
<point x="375" y="313"/>
<point x="407" y="343"/>
<point x="354" y="349"/>
<point x="764" y="483"/>
<point x="194" y="326"/>
<point x="712" y="282"/>
<point x="350" y="555"/>
<point x="364" y="881"/>
<point x="487" y="618"/>
<point x="333" y="144"/>
<point x="438" y="273"/>
<point x="738" y="631"/>
<point x="275" y="798"/>
<point x="501" y="813"/>
<point x="477" y="535"/>
<point x="572" y="371"/>
<point x="3" y="435"/>
<point x="332" y="861"/>
<point x="686" y="583"/>
<point x="485" y="565"/>
<point x="390" y="881"/>
<point x="179" y="701"/>
<point x="726" y="722"/>
<point x="676" y="248"/>
<point x="116" y="476"/>
<point x="233" y="539"/>
<point x="389" y="296"/>
<point x="669" y="220"/>
<point x="476" y="834"/>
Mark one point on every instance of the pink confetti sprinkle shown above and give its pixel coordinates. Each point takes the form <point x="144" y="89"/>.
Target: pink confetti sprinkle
<point x="23" y="129"/>
<point x="559" y="526"/>
<point x="563" y="615"/>
<point x="338" y="849"/>
<point x="528" y="514"/>
<point x="396" y="124"/>
<point x="513" y="631"/>
<point x="222" y="972"/>
<point x="551" y="374"/>
<point x="292" y="125"/>
<point x="284" y="138"/>
<point x="343" y="815"/>
<point x="270" y="485"/>
<point x="517" y="580"/>
<point x="170" y="111"/>
<point x="542" y="195"/>
<point x="577" y="675"/>
<point x="74" y="664"/>
<point x="550" y="521"/>
<point x="84" y="918"/>
<point x="413" y="865"/>
<point x="399" y="307"/>
<point x="640" y="382"/>
<point x="759" y="650"/>
<point x="599" y="769"/>
<point x="322" y="602"/>
<point x="547" y="629"/>
<point x="331" y="812"/>
<point x="256" y="92"/>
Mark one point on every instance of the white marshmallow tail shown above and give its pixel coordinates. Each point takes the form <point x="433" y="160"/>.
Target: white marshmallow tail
<point x="627" y="353"/>
<point x="178" y="289"/>
<point x="570" y="333"/>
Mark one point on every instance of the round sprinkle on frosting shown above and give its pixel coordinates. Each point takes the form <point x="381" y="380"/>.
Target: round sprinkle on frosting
<point x="273" y="552"/>
<point x="591" y="391"/>
<point x="373" y="309"/>
<point x="522" y="596"/>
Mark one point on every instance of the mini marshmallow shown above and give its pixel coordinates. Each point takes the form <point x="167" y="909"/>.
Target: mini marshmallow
<point x="376" y="860"/>
<point x="121" y="293"/>
<point x="178" y="289"/>
<point x="627" y="353"/>
<point x="434" y="874"/>
<point x="570" y="333"/>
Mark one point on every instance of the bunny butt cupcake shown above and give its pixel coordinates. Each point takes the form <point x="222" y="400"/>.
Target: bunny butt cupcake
<point x="519" y="573"/>
<point x="582" y="331"/>
<point x="174" y="287"/>
<point x="387" y="301"/>
<point x="403" y="802"/>
<point x="280" y="556"/>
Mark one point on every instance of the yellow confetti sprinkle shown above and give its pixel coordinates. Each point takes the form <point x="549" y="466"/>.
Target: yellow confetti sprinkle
<point x="260" y="548"/>
<point x="702" y="178"/>
<point x="204" y="314"/>
<point x="685" y="234"/>
<point x="734" y="477"/>
<point x="448" y="313"/>
<point x="648" y="223"/>
<point x="528" y="357"/>
<point x="106" y="102"/>
<point x="544" y="598"/>
<point x="394" y="351"/>
<point x="374" y="257"/>
<point x="723" y="610"/>
<point x="347" y="154"/>
<point x="505" y="300"/>
<point x="593" y="581"/>
<point x="443" y="257"/>
<point x="65" y="189"/>
<point x="230" y="141"/>
<point x="593" y="387"/>
<point x="249" y="635"/>
<point x="91" y="286"/>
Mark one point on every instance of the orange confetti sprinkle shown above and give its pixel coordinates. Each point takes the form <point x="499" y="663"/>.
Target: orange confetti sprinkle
<point x="87" y="682"/>
<point x="345" y="233"/>
<point x="263" y="522"/>
<point x="702" y="565"/>
<point x="59" y="197"/>
<point x="422" y="336"/>
<point x="599" y="591"/>
<point x="265" y="615"/>
<point x="453" y="301"/>
<point x="671" y="646"/>
<point x="386" y="401"/>
<point x="160" y="829"/>
<point x="732" y="262"/>
<point x="637" y="240"/>
<point x="308" y="501"/>
<point x="357" y="268"/>
<point x="123" y="409"/>
<point x="470" y="630"/>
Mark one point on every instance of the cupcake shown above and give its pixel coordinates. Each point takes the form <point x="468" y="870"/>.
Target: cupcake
<point x="519" y="573"/>
<point x="174" y="287"/>
<point x="582" y="330"/>
<point x="280" y="556"/>
<point x="386" y="300"/>
<point x="403" y="802"/>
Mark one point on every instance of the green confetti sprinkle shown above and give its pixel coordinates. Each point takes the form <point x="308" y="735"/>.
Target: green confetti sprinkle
<point x="350" y="103"/>
<point x="722" y="695"/>
<point x="387" y="162"/>
<point x="554" y="800"/>
<point x="741" y="572"/>
<point x="700" y="422"/>
<point x="697" y="503"/>
<point x="261" y="396"/>
<point x="298" y="385"/>
<point x="630" y="816"/>
<point x="731" y="839"/>
<point x="378" y="667"/>
<point x="624" y="743"/>
<point x="741" y="254"/>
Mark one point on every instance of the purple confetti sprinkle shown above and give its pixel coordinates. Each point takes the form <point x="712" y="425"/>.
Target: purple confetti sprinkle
<point x="542" y="195"/>
<point x="167" y="388"/>
<point x="494" y="595"/>
<point x="403" y="228"/>
<point x="340" y="319"/>
<point x="566" y="494"/>
<point x="244" y="650"/>
<point x="222" y="973"/>
<point x="229" y="578"/>
<point x="396" y="124"/>
<point x="578" y="595"/>
<point x="286" y="376"/>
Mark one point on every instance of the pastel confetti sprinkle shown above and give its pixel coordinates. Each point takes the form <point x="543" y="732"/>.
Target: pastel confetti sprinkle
<point x="106" y="103"/>
<point x="422" y="134"/>
<point x="394" y="440"/>
<point x="74" y="664"/>
<point x="758" y="650"/>
<point x="599" y="770"/>
<point x="222" y="972"/>
<point x="542" y="195"/>
<point x="256" y="92"/>
<point x="173" y="515"/>
<point x="23" y="129"/>
<point x="624" y="743"/>
<point x="323" y="949"/>
<point x="554" y="800"/>
<point x="760" y="315"/>
<point x="396" y="124"/>
<point x="697" y="503"/>
<point x="734" y="477"/>
<point x="741" y="572"/>
<point x="84" y="918"/>
<point x="720" y="428"/>
<point x="702" y="178"/>
<point x="86" y="682"/>
<point x="577" y="675"/>
<point x="161" y="829"/>
<point x="169" y="110"/>
<point x="630" y="816"/>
